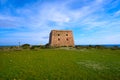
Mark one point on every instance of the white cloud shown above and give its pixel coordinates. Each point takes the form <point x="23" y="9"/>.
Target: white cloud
<point x="60" y="14"/>
<point x="102" y="39"/>
<point x="40" y="19"/>
<point x="117" y="13"/>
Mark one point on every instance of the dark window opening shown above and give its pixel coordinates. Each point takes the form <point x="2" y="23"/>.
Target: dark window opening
<point x="66" y="34"/>
<point x="58" y="34"/>
<point x="58" y="39"/>
<point x="67" y="39"/>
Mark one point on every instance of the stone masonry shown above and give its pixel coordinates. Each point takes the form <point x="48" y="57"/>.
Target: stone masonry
<point x="61" y="38"/>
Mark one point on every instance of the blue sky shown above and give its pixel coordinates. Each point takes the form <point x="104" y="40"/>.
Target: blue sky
<point x="30" y="21"/>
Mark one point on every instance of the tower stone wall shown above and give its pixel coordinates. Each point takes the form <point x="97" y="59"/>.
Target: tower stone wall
<point x="61" y="38"/>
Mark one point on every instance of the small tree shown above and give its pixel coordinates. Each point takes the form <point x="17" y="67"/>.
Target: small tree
<point x="99" y="47"/>
<point x="47" y="45"/>
<point x="25" y="46"/>
<point x="115" y="48"/>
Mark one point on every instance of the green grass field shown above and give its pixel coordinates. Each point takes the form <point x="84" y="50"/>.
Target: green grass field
<point x="60" y="64"/>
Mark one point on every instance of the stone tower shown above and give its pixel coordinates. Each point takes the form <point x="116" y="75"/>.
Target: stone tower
<point x="61" y="38"/>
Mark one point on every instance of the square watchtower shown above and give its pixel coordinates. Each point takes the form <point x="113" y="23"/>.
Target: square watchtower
<point x="61" y="38"/>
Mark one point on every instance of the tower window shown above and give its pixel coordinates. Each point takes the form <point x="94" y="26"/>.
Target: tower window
<point x="66" y="34"/>
<point x="67" y="39"/>
<point x="58" y="34"/>
<point x="58" y="39"/>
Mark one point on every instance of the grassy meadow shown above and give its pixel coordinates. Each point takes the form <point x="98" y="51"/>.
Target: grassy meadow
<point x="60" y="64"/>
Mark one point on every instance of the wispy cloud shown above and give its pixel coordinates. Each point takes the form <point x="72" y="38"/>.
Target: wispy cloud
<point x="117" y="13"/>
<point x="35" y="20"/>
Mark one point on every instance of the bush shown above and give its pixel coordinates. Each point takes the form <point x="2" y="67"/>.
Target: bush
<point x="115" y="48"/>
<point x="25" y="46"/>
<point x="80" y="47"/>
<point x="99" y="47"/>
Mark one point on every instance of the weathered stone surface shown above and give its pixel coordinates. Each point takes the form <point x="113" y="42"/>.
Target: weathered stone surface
<point x="61" y="38"/>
